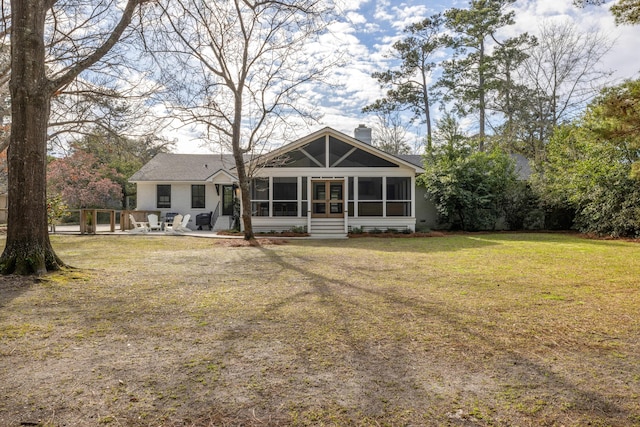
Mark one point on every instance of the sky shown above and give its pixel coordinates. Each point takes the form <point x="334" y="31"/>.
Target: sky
<point x="368" y="28"/>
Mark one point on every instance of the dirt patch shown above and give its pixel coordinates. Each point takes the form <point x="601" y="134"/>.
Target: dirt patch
<point x="593" y="236"/>
<point x="242" y="243"/>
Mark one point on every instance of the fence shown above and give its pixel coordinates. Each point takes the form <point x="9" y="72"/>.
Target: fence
<point x="92" y="221"/>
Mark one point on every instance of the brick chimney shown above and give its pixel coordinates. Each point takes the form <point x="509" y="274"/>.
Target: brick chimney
<point x="362" y="133"/>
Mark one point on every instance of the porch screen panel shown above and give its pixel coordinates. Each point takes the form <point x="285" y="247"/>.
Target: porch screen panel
<point x="260" y="197"/>
<point x="370" y="196"/>
<point x="163" y="196"/>
<point x="317" y="150"/>
<point x="337" y="150"/>
<point x="311" y="155"/>
<point x="285" y="196"/>
<point x="362" y="159"/>
<point x="398" y="196"/>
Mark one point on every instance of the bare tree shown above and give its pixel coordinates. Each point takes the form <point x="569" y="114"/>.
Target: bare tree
<point x="389" y="133"/>
<point x="85" y="106"/>
<point x="237" y="68"/>
<point x="92" y="100"/>
<point x="563" y="73"/>
<point x="52" y="42"/>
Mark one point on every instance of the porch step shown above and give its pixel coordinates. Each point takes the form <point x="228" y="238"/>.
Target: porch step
<point x="327" y="228"/>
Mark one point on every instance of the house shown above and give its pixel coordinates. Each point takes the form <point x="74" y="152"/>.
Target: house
<point x="327" y="183"/>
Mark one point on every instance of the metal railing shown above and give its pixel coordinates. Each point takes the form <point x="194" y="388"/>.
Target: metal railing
<point x="215" y="216"/>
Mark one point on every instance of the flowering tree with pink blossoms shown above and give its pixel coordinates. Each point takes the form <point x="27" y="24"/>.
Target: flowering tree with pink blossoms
<point x="83" y="182"/>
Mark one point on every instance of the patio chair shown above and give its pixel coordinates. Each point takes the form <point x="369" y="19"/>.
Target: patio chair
<point x="138" y="227"/>
<point x="174" y="226"/>
<point x="153" y="222"/>
<point x="183" y="223"/>
<point x="168" y="217"/>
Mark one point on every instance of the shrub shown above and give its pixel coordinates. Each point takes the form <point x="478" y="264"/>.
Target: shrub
<point x="356" y="230"/>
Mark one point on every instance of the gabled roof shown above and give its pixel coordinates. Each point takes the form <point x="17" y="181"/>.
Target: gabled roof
<point x="203" y="167"/>
<point x="409" y="161"/>
<point x="415" y="159"/>
<point x="522" y="164"/>
<point x="185" y="167"/>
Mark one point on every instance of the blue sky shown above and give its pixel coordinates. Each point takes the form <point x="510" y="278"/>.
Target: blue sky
<point x="368" y="28"/>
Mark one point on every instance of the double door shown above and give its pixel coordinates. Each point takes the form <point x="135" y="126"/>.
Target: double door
<point x="327" y="198"/>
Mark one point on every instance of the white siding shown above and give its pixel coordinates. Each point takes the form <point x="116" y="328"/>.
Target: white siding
<point x="180" y="198"/>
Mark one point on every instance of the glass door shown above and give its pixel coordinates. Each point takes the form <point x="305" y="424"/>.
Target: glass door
<point x="328" y="199"/>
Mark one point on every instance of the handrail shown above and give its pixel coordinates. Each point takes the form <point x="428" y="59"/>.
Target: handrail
<point x="216" y="214"/>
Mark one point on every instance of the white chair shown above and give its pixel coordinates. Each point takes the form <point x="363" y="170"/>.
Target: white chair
<point x="174" y="226"/>
<point x="153" y="222"/>
<point x="138" y="227"/>
<point x="183" y="223"/>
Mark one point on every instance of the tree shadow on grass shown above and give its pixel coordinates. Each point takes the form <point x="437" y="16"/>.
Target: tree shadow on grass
<point x="448" y="243"/>
<point x="12" y="286"/>
<point x="391" y="379"/>
<point x="337" y="376"/>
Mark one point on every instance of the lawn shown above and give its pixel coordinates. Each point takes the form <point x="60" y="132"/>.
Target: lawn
<point x="463" y="330"/>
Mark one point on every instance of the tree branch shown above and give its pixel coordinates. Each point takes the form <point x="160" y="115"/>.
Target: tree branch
<point x="90" y="60"/>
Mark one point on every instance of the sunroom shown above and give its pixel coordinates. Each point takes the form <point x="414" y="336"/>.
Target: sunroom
<point x="329" y="183"/>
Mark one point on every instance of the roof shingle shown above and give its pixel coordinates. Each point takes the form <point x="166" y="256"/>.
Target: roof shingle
<point x="184" y="167"/>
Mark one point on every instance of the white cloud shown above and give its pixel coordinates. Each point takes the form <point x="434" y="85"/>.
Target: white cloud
<point x="355" y="18"/>
<point x="621" y="59"/>
<point x="369" y="28"/>
<point x="406" y="15"/>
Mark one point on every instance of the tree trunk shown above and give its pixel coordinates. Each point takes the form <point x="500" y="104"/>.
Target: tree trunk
<point x="28" y="249"/>
<point x="245" y="196"/>
<point x="427" y="110"/>
<point x="481" y="96"/>
<point x="243" y="178"/>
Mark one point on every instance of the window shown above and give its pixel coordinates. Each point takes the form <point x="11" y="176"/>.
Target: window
<point x="197" y="196"/>
<point x="163" y="196"/>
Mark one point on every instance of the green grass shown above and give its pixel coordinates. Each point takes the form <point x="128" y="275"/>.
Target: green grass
<point x="479" y="329"/>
